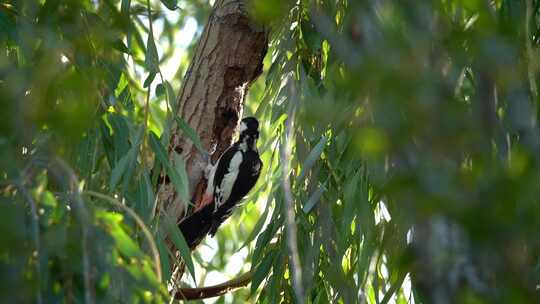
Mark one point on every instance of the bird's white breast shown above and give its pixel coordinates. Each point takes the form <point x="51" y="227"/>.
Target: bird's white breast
<point x="225" y="188"/>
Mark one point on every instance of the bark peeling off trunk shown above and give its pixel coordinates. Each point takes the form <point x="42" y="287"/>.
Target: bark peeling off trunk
<point x="228" y="59"/>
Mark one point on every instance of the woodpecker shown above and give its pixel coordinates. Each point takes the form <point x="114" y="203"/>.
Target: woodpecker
<point x="229" y="181"/>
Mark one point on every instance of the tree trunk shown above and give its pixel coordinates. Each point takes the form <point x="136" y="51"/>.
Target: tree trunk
<point x="229" y="57"/>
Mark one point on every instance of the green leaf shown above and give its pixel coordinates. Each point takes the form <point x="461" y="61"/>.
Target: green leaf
<point x="183" y="181"/>
<point x="350" y="202"/>
<point x="394" y="287"/>
<point x="258" y="226"/>
<point x="262" y="270"/>
<point x="180" y="242"/>
<point x="148" y="81"/>
<point x="314" y="198"/>
<point x="311" y="36"/>
<point x="152" y="59"/>
<point x="125" y="99"/>
<point x="265" y="237"/>
<point x="132" y="163"/>
<point x="262" y="240"/>
<point x="312" y="157"/>
<point x="160" y="90"/>
<point x="158" y="149"/>
<point x="171" y="97"/>
<point x="189" y="132"/>
<point x="124" y="9"/>
<point x="118" y="171"/>
<point x="126" y="165"/>
<point x="170" y="4"/>
<point x="144" y="197"/>
<point x="120" y="46"/>
<point x="124" y="243"/>
<point x="8" y="26"/>
<point x="164" y="257"/>
<point x="176" y="174"/>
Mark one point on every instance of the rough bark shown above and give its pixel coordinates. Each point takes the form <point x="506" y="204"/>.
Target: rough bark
<point x="229" y="57"/>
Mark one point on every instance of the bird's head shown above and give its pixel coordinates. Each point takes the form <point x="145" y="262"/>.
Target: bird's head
<point x="249" y="132"/>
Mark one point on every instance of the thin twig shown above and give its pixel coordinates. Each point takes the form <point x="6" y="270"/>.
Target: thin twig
<point x="139" y="221"/>
<point x="35" y="232"/>
<point x="289" y="205"/>
<point x="214" y="291"/>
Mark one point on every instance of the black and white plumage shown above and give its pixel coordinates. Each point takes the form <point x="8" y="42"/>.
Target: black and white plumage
<point x="229" y="181"/>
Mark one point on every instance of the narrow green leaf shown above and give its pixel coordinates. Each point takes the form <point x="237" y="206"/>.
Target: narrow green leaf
<point x="314" y="199"/>
<point x="277" y="277"/>
<point x="170" y="4"/>
<point x="350" y="202"/>
<point x="120" y="46"/>
<point x="158" y="149"/>
<point x="160" y="89"/>
<point x="149" y="79"/>
<point x="310" y="35"/>
<point x="126" y="245"/>
<point x="265" y="237"/>
<point x="8" y="26"/>
<point x="262" y="240"/>
<point x="136" y="136"/>
<point x="164" y="257"/>
<point x="152" y="59"/>
<point x="312" y="157"/>
<point x="124" y="8"/>
<point x="118" y="171"/>
<point x="258" y="226"/>
<point x="262" y="270"/>
<point x="394" y="287"/>
<point x="126" y="165"/>
<point x="171" y="97"/>
<point x="351" y="187"/>
<point x="119" y="137"/>
<point x="177" y="174"/>
<point x="183" y="181"/>
<point x="149" y="190"/>
<point x="189" y="132"/>
<point x="180" y="242"/>
<point x="113" y="224"/>
<point x="125" y="99"/>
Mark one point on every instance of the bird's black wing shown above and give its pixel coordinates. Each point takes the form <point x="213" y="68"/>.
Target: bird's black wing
<point x="249" y="172"/>
<point x="223" y="165"/>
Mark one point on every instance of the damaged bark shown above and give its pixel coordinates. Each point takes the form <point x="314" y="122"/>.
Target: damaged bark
<point x="228" y="59"/>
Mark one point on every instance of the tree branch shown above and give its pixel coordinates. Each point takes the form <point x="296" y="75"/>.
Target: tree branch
<point x="213" y="291"/>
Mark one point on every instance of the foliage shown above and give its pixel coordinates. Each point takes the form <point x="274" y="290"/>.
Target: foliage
<point x="422" y="117"/>
<point x="77" y="85"/>
<point x="403" y="116"/>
